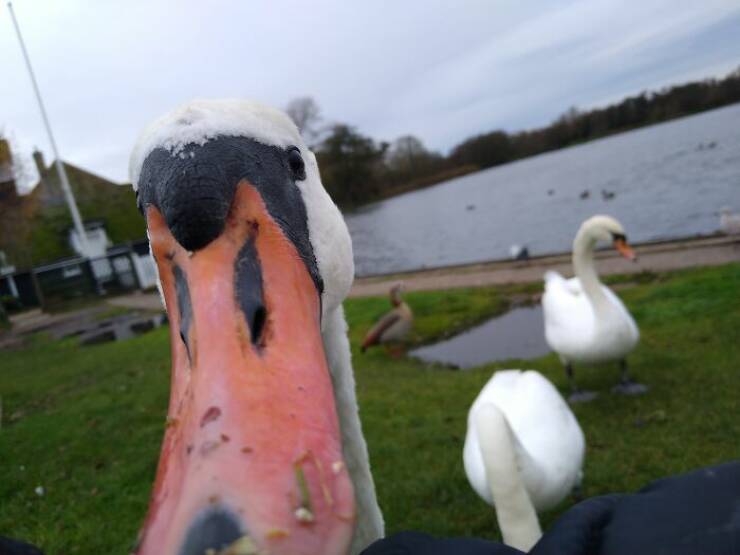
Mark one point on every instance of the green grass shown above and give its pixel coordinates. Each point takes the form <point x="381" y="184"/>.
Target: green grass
<point x="86" y="423"/>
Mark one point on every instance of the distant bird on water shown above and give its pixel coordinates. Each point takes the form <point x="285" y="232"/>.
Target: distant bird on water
<point x="729" y="223"/>
<point x="585" y="194"/>
<point x="607" y="195"/>
<point x="394" y="326"/>
<point x="519" y="252"/>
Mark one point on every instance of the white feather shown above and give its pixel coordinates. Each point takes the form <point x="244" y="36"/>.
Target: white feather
<point x="549" y="443"/>
<point x="729" y="223"/>
<point x="587" y="323"/>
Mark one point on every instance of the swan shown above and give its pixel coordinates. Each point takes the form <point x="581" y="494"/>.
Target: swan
<point x="263" y="446"/>
<point x="729" y="223"/>
<point x="519" y="252"/>
<point x="585" y="322"/>
<point x="523" y="451"/>
<point x="394" y="326"/>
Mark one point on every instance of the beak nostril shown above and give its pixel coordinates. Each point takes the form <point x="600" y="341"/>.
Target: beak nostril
<point x="259" y="319"/>
<point x="184" y="306"/>
<point x="249" y="294"/>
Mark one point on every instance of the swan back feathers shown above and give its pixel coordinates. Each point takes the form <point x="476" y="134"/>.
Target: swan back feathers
<point x="549" y="442"/>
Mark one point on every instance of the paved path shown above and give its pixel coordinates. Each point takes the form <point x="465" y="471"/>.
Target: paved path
<point x="656" y="257"/>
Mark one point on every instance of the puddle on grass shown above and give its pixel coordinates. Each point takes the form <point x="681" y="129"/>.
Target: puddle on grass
<point x="519" y="333"/>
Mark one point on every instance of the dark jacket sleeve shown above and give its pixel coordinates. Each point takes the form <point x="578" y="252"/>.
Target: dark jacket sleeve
<point x="413" y="543"/>
<point x="14" y="547"/>
<point x="690" y="514"/>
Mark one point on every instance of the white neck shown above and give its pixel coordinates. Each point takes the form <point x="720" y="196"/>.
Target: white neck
<point x="515" y="513"/>
<point x="583" y="265"/>
<point x="336" y="345"/>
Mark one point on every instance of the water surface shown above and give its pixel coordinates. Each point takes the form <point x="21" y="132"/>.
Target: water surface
<point x="517" y="334"/>
<point x="668" y="180"/>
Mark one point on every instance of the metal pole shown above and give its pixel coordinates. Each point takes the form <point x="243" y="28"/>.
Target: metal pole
<point x="66" y="189"/>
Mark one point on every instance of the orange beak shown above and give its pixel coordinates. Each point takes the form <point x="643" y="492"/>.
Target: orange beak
<point x="624" y="249"/>
<point x="252" y="450"/>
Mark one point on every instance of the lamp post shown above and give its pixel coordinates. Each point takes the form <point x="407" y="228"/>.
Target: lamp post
<point x="66" y="189"/>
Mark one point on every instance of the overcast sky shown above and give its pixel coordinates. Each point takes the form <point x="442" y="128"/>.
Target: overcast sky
<point x="440" y="70"/>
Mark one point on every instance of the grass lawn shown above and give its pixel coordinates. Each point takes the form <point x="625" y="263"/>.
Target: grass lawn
<point x="86" y="423"/>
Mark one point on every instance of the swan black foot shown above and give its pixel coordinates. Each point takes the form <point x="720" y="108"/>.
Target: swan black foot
<point x="630" y="388"/>
<point x="577" y="395"/>
<point x="626" y="385"/>
<point x="582" y="396"/>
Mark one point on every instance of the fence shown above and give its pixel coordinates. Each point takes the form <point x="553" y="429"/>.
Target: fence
<point x="124" y="268"/>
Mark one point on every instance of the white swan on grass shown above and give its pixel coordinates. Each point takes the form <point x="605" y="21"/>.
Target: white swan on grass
<point x="585" y="322"/>
<point x="523" y="451"/>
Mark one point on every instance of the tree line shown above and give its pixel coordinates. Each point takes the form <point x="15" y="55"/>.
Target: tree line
<point x="356" y="169"/>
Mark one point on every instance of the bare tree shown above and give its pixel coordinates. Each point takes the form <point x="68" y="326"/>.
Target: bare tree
<point x="306" y="114"/>
<point x="407" y="153"/>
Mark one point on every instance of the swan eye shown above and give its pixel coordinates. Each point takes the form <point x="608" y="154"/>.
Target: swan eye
<point x="295" y="161"/>
<point x="619" y="237"/>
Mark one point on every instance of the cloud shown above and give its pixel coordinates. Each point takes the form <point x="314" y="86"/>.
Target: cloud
<point x="440" y="70"/>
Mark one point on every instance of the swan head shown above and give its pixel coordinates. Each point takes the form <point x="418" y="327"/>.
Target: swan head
<point x="183" y="133"/>
<point x="251" y="253"/>
<point x="602" y="228"/>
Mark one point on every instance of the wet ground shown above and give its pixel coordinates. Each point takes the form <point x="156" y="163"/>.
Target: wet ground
<point x="517" y="334"/>
<point x="88" y="325"/>
<point x="119" y="328"/>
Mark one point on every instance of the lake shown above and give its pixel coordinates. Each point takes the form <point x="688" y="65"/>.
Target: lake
<point x="668" y="181"/>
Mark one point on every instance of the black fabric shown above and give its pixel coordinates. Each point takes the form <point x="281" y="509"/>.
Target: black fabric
<point x="579" y="529"/>
<point x="697" y="513"/>
<point x="14" y="547"/>
<point x="412" y="543"/>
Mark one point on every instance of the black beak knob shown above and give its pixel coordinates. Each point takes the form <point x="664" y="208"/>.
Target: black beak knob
<point x="191" y="191"/>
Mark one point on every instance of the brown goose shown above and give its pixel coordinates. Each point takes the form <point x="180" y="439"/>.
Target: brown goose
<point x="394" y="326"/>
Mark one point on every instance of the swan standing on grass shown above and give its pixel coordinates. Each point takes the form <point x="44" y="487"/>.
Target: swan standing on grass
<point x="523" y="451"/>
<point x="584" y="321"/>
<point x="263" y="450"/>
